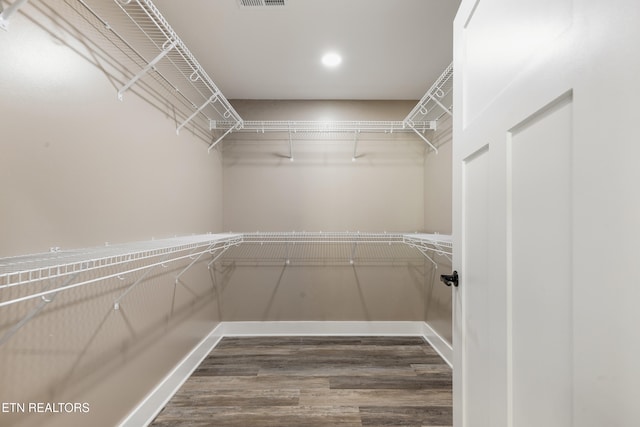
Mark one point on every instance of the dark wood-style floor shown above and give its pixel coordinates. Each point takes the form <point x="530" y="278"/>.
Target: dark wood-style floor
<point x="315" y="381"/>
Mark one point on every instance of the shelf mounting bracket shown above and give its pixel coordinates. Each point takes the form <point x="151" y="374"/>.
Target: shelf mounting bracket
<point x="194" y="261"/>
<point x="212" y="146"/>
<point x="441" y="105"/>
<point x="290" y="145"/>
<point x="215" y="258"/>
<point x="424" y="252"/>
<point x="6" y="13"/>
<point x="195" y="113"/>
<point x="353" y="253"/>
<point x="146" y="69"/>
<point x="116" y="303"/>
<point x="423" y="137"/>
<point x="355" y="146"/>
<point x="35" y="311"/>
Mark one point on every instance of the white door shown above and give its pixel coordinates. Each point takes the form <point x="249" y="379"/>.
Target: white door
<point x="547" y="213"/>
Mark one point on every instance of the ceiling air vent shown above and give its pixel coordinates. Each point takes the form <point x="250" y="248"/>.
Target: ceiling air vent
<point x="248" y="3"/>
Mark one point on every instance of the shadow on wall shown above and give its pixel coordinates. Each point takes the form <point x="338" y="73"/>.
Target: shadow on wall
<point x="79" y="340"/>
<point x="340" y="151"/>
<point x="438" y="297"/>
<point x="303" y="292"/>
<point x="70" y="24"/>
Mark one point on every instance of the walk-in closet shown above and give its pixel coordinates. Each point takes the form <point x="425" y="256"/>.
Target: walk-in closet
<point x="318" y="212"/>
<point x="159" y="213"/>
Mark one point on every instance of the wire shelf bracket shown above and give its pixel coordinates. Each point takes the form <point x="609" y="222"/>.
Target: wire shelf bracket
<point x="34" y="312"/>
<point x="151" y="65"/>
<point x="290" y="146"/>
<point x="231" y="129"/>
<point x="440" y="244"/>
<point x="116" y="303"/>
<point x="355" y="146"/>
<point x="436" y="102"/>
<point x="5" y="14"/>
<point x="139" y="41"/>
<point x="195" y="113"/>
<point x="424" y="138"/>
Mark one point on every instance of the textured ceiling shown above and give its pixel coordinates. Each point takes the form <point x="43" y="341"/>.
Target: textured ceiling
<point x="391" y="49"/>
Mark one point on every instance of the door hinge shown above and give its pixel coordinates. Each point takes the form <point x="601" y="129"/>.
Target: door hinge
<point x="450" y="279"/>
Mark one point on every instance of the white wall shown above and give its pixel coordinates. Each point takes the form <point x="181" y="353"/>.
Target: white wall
<point x="79" y="168"/>
<point x="323" y="190"/>
<point x="437" y="181"/>
<point x="437" y="219"/>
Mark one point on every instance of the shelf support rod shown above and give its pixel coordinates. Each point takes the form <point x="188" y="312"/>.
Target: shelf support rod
<point x="423" y="138"/>
<point x="6" y="13"/>
<point x="446" y="110"/>
<point x="439" y="250"/>
<point x="355" y="146"/>
<point x="116" y="303"/>
<point x="194" y="261"/>
<point x="353" y="253"/>
<point x="33" y="313"/>
<point x="212" y="146"/>
<point x="215" y="258"/>
<point x="290" y="145"/>
<point x="195" y="113"/>
<point x="146" y="69"/>
<point x="423" y="252"/>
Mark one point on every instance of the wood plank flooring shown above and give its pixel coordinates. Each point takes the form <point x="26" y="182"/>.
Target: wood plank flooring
<point x="313" y="382"/>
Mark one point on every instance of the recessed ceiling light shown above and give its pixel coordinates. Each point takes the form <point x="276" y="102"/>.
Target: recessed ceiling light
<point x="331" y="59"/>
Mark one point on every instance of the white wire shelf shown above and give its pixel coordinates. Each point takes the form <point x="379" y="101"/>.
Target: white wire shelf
<point x="441" y="244"/>
<point x="321" y="237"/>
<point x="42" y="276"/>
<point x="138" y="41"/>
<point x="322" y="248"/>
<point x="141" y="42"/>
<point x="323" y="126"/>
<point x="436" y="103"/>
<point x="22" y="270"/>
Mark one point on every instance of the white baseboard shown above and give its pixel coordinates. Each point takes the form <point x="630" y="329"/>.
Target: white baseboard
<point x="153" y="403"/>
<point x="322" y="328"/>
<point x="332" y="328"/>
<point x="439" y="344"/>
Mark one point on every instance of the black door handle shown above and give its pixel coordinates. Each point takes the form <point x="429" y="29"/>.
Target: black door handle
<point x="450" y="279"/>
